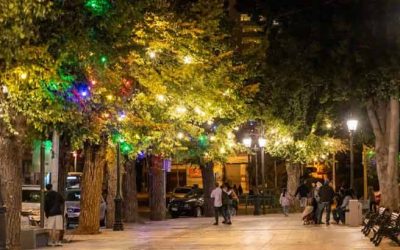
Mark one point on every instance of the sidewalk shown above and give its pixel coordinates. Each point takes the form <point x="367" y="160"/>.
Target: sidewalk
<point x="272" y="232"/>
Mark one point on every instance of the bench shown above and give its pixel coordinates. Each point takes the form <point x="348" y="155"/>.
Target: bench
<point x="389" y="227"/>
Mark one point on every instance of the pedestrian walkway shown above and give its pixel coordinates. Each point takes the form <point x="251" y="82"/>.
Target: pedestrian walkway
<point x="271" y="232"/>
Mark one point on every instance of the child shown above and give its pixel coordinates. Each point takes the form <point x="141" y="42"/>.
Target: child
<point x="284" y="200"/>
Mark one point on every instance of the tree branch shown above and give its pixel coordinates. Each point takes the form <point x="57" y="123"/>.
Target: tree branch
<point x="373" y="119"/>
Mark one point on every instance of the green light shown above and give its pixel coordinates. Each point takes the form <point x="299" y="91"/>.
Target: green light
<point x="48" y="145"/>
<point x="203" y="141"/>
<point x="98" y="7"/>
<point x="117" y="137"/>
<point x="103" y="59"/>
<point x="126" y="148"/>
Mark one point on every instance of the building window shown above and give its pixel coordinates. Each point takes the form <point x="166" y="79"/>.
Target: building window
<point x="244" y="18"/>
<point x="249" y="40"/>
<point x="249" y="29"/>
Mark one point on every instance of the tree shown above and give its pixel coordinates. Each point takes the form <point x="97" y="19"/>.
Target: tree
<point x="350" y="54"/>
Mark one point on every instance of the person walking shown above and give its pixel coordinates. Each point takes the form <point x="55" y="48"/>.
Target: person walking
<point x="302" y="191"/>
<point x="326" y="195"/>
<point x="284" y="200"/>
<point x="216" y="194"/>
<point x="235" y="202"/>
<point x="53" y="209"/>
<point x="371" y="199"/>
<point x="226" y="203"/>
<point x="240" y="190"/>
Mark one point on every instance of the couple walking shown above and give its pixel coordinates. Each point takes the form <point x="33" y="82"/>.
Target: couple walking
<point x="223" y="197"/>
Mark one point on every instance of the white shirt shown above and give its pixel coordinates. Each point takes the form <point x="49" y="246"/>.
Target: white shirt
<point x="217" y="195"/>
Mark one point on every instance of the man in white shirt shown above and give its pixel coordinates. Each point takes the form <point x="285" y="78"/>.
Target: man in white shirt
<point x="216" y="194"/>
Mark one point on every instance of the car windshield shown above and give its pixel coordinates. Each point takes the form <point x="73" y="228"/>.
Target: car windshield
<point x="73" y="196"/>
<point x="32" y="196"/>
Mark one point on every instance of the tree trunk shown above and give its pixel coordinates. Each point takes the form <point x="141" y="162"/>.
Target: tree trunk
<point x="384" y="118"/>
<point x="111" y="175"/>
<point x="293" y="180"/>
<point x="130" y="192"/>
<point x="65" y="154"/>
<point x="10" y="186"/>
<point x="92" y="179"/>
<point x="157" y="189"/>
<point x="207" y="174"/>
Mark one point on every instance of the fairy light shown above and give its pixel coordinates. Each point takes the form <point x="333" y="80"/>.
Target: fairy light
<point x="160" y="98"/>
<point x="199" y="111"/>
<point x="181" y="109"/>
<point x="180" y="135"/>
<point x="23" y="75"/>
<point x="187" y="60"/>
<point x="152" y="54"/>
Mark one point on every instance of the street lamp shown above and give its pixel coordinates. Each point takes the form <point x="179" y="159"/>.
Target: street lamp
<point x="262" y="142"/>
<point x="352" y="126"/>
<point x="118" y="226"/>
<point x="247" y="142"/>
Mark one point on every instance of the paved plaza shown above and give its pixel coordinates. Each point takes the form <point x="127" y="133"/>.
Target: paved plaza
<point x="272" y="232"/>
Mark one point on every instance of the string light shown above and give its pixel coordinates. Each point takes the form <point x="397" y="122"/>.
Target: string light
<point x="121" y="116"/>
<point x="187" y="59"/>
<point x="199" y="111"/>
<point x="180" y="135"/>
<point x="152" y="54"/>
<point x="110" y="97"/>
<point x="209" y="122"/>
<point x="23" y="75"/>
<point x="181" y="109"/>
<point x="160" y="98"/>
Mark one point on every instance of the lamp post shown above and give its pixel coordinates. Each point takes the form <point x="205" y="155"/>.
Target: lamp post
<point x="352" y="126"/>
<point x="262" y="142"/>
<point x="75" y="154"/>
<point x="248" y="143"/>
<point x="118" y="225"/>
<point x="42" y="186"/>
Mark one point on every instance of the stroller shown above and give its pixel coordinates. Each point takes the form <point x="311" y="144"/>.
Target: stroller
<point x="308" y="215"/>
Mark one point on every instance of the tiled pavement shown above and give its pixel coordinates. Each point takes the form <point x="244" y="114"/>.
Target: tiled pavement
<point x="272" y="232"/>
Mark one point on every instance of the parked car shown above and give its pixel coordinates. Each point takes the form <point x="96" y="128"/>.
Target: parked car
<point x="31" y="203"/>
<point x="73" y="207"/>
<point x="186" y="201"/>
<point x="74" y="180"/>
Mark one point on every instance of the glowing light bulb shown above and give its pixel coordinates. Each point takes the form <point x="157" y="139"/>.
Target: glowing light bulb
<point x="160" y="98"/>
<point x="181" y="109"/>
<point x="180" y="135"/>
<point x="121" y="116"/>
<point x="187" y="60"/>
<point x="212" y="138"/>
<point x="210" y="122"/>
<point x="84" y="93"/>
<point x="110" y="97"/>
<point x="152" y="54"/>
<point x="222" y="150"/>
<point x="198" y="111"/>
<point x="4" y="89"/>
<point x="23" y="75"/>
